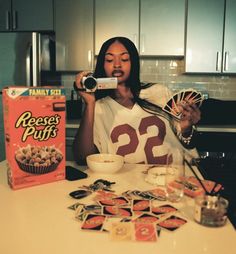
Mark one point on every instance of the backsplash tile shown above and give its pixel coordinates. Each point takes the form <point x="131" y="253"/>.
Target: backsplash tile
<point x="171" y="73"/>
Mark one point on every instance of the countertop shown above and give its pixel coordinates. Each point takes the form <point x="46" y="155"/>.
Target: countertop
<point x="73" y="124"/>
<point x="217" y="128"/>
<point x="37" y="220"/>
<point x="201" y="128"/>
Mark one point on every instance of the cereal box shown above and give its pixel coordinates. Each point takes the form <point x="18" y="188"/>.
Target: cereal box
<point x="34" y="126"/>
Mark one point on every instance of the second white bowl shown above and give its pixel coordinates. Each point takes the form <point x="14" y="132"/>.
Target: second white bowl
<point x="105" y="163"/>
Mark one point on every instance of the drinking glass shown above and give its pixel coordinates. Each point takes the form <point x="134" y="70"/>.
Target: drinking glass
<point x="175" y="175"/>
<point x="211" y="210"/>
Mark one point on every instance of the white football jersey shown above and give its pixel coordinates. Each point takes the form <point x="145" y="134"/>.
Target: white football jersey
<point x="137" y="135"/>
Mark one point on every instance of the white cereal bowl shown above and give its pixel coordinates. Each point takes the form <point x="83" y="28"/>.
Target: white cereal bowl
<point x="105" y="163"/>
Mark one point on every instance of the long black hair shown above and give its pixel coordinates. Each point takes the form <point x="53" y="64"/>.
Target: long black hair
<point x="133" y="81"/>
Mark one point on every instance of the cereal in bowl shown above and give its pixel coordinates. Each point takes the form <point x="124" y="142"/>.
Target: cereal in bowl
<point x="38" y="160"/>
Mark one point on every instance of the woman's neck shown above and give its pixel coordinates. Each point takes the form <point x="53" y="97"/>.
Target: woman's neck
<point x="123" y="96"/>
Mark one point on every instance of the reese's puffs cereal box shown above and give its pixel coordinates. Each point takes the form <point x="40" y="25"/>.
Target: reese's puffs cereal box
<point x="34" y="126"/>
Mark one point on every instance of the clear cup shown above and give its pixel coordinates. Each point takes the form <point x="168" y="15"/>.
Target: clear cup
<point x="175" y="172"/>
<point x="211" y="210"/>
<point x="156" y="175"/>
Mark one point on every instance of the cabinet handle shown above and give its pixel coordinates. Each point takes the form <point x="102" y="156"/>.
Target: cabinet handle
<point x="14" y="20"/>
<point x="226" y="61"/>
<point x="142" y="46"/>
<point x="35" y="58"/>
<point x="7" y="20"/>
<point x="135" y="36"/>
<point x="218" y="59"/>
<point x="90" y="60"/>
<point x="28" y="65"/>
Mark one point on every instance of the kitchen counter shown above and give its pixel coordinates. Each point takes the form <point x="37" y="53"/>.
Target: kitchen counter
<point x="74" y="124"/>
<point x="217" y="128"/>
<point x="37" y="220"/>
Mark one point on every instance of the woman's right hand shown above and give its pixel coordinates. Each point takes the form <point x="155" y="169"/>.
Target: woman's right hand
<point x="88" y="97"/>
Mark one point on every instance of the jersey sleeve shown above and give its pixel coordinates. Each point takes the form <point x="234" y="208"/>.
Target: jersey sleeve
<point x="157" y="94"/>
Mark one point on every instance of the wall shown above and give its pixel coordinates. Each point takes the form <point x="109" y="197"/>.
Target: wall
<point x="171" y="73"/>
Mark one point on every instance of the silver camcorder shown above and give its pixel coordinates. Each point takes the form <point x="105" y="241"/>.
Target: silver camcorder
<point x="91" y="84"/>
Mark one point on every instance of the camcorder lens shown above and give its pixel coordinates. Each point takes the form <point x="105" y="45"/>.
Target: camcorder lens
<point x="90" y="83"/>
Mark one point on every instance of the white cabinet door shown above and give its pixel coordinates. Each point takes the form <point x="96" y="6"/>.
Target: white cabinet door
<point x="26" y="15"/>
<point x="162" y="27"/>
<point x="204" y="36"/>
<point x="229" y="64"/>
<point x="74" y="27"/>
<point x="5" y="15"/>
<point x="116" y="18"/>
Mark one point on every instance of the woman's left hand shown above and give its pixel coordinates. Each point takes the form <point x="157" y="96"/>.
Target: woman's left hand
<point x="190" y="116"/>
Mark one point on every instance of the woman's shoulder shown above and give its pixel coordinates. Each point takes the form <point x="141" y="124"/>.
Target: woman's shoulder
<point x="148" y="87"/>
<point x="155" y="93"/>
<point x="103" y="100"/>
<point x="102" y="103"/>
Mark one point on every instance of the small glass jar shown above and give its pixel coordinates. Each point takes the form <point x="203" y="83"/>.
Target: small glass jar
<point x="211" y="210"/>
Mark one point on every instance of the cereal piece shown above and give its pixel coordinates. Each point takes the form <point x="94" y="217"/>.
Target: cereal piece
<point x="38" y="160"/>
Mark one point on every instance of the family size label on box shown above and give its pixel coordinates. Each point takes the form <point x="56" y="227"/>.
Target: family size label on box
<point x="34" y="127"/>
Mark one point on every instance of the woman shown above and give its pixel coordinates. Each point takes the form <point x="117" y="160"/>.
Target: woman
<point x="129" y="120"/>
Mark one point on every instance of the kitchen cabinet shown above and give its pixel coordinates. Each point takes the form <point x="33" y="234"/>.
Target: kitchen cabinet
<point x="89" y="23"/>
<point x="116" y="18"/>
<point x="162" y="24"/>
<point x="26" y="15"/>
<point x="74" y="28"/>
<point x="155" y="26"/>
<point x="210" y="36"/>
<point x="229" y="64"/>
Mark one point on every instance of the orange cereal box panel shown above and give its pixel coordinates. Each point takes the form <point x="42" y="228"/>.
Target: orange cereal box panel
<point x="34" y="126"/>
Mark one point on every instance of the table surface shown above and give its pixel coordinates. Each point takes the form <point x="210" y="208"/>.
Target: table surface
<point x="37" y="220"/>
